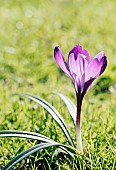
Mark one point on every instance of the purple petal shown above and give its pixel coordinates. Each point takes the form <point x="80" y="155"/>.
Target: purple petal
<point x="77" y="66"/>
<point x="103" y="61"/>
<point x="86" y="86"/>
<point x="100" y="55"/>
<point x="73" y="66"/>
<point x="60" y="60"/>
<point x="79" y="84"/>
<point x="104" y="65"/>
<point x="78" y="50"/>
<point x="93" y="69"/>
<point x="88" y="57"/>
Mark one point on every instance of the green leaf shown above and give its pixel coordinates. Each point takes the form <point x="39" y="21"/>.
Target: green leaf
<point x="30" y="151"/>
<point x="25" y="134"/>
<point x="53" y="112"/>
<point x="70" y="105"/>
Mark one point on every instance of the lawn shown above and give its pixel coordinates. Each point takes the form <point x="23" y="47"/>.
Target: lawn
<point x="29" y="31"/>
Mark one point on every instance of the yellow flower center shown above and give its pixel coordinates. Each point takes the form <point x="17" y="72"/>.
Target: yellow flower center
<point x="83" y="56"/>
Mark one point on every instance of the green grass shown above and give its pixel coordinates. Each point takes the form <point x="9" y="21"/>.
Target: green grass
<point x="29" y="30"/>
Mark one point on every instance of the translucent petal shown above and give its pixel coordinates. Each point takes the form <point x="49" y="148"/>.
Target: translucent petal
<point x="60" y="60"/>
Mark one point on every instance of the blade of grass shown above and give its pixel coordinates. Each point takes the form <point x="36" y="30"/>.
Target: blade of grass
<point x="54" y="113"/>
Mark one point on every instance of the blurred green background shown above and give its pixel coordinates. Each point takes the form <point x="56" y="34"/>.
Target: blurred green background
<point x="29" y="31"/>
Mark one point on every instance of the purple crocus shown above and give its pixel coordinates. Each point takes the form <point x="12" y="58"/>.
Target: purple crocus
<point x="83" y="70"/>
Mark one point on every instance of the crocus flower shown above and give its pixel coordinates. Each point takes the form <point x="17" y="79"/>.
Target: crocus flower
<point x="83" y="70"/>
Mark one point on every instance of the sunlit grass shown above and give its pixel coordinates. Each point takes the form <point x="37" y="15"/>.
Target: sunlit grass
<point x="29" y="31"/>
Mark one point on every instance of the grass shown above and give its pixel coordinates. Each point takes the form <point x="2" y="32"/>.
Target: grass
<point x="29" y="31"/>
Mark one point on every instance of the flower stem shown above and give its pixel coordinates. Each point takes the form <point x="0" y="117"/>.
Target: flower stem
<point x="78" y="127"/>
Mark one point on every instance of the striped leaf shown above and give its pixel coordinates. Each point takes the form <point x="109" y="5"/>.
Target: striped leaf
<point x="54" y="113"/>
